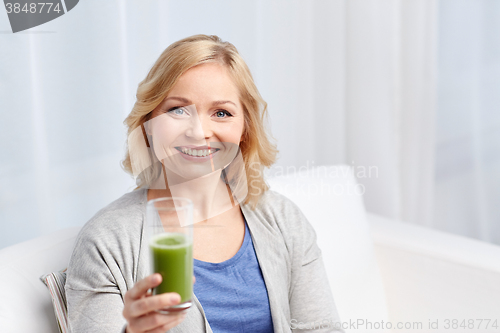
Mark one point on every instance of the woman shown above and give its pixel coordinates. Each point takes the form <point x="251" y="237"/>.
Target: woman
<point x="197" y="131"/>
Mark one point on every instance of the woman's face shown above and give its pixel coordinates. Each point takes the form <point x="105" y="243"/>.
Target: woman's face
<point x="197" y="129"/>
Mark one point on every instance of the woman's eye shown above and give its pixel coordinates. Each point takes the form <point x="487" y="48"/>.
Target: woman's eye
<point x="177" y="111"/>
<point x="223" y="114"/>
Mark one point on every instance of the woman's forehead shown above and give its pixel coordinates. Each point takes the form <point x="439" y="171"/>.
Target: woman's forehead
<point x="204" y="89"/>
<point x="206" y="80"/>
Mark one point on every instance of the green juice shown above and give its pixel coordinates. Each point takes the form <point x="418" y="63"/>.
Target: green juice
<point x="172" y="257"/>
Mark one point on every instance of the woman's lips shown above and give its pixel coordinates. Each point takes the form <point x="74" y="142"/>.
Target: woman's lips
<point x="199" y="154"/>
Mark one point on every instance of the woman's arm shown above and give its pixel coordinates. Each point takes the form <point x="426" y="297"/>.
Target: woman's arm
<point x="96" y="304"/>
<point x="312" y="307"/>
<point x="101" y="289"/>
<point x="311" y="301"/>
<point x="93" y="295"/>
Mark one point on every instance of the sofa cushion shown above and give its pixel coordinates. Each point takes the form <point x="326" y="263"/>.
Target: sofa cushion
<point x="331" y="199"/>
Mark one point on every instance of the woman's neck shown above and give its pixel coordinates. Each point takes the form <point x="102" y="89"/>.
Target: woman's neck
<point x="209" y="194"/>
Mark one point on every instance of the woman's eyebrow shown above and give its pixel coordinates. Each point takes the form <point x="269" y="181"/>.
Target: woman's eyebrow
<point x="187" y="101"/>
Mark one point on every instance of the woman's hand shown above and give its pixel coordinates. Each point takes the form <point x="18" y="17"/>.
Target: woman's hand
<point x="140" y="308"/>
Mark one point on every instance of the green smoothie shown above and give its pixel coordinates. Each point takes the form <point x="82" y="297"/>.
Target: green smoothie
<point x="172" y="257"/>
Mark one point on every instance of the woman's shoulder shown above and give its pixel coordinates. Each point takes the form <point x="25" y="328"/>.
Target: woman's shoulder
<point x="278" y="205"/>
<point x="283" y="213"/>
<point x="125" y="212"/>
<point x="106" y="245"/>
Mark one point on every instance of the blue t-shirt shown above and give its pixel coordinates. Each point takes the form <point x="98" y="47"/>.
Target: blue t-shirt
<point x="233" y="293"/>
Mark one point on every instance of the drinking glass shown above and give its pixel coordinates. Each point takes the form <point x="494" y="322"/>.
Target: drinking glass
<point x="170" y="235"/>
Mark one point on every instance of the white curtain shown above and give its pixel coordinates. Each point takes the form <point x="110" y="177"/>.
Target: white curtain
<point x="468" y="120"/>
<point x="390" y="84"/>
<point x="349" y="82"/>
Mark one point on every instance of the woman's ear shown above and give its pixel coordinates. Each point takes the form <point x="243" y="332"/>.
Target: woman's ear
<point x="244" y="135"/>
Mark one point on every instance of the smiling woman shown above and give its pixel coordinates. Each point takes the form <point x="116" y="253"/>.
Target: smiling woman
<point x="197" y="132"/>
<point x="204" y="118"/>
<point x="170" y="84"/>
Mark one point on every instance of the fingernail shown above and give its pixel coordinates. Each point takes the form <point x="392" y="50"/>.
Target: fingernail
<point x="175" y="298"/>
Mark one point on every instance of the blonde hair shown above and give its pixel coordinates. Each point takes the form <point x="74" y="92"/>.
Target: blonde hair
<point x="257" y="150"/>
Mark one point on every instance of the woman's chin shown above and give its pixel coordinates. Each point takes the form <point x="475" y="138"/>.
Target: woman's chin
<point x="185" y="173"/>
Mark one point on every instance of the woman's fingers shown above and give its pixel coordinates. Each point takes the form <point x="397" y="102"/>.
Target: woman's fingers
<point x="158" y="320"/>
<point x="145" y="305"/>
<point x="175" y="320"/>
<point x="140" y="307"/>
<point x="142" y="287"/>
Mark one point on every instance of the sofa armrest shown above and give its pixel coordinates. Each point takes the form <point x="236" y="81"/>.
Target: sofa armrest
<point x="25" y="303"/>
<point x="433" y="275"/>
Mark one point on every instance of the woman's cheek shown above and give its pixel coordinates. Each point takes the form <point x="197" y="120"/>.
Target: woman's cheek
<point x="162" y="143"/>
<point x="159" y="148"/>
<point x="232" y="133"/>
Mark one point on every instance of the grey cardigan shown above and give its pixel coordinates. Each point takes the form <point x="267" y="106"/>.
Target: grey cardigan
<point x="110" y="252"/>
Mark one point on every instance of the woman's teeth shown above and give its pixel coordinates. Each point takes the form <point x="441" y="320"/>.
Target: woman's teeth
<point x="198" y="152"/>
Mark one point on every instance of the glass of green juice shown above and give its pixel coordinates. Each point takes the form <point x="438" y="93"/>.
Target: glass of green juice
<point x="170" y="234"/>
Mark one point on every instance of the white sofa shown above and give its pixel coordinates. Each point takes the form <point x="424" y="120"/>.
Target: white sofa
<point x="379" y="269"/>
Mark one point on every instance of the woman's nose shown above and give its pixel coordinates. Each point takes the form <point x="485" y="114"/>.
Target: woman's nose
<point x="199" y="129"/>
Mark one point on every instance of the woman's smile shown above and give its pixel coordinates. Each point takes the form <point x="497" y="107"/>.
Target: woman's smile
<point x="197" y="154"/>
